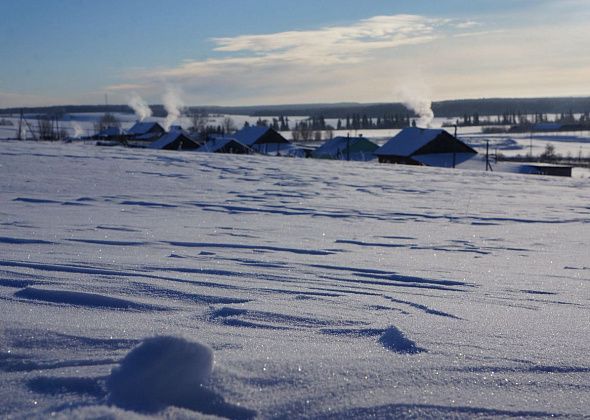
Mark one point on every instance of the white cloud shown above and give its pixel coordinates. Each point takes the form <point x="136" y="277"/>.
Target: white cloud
<point x="369" y="60"/>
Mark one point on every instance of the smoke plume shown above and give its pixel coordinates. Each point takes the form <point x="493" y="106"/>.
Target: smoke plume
<point x="78" y="130"/>
<point x="140" y="107"/>
<point x="173" y="105"/>
<point x="418" y="101"/>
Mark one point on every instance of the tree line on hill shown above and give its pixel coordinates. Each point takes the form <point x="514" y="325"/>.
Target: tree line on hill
<point x="443" y="109"/>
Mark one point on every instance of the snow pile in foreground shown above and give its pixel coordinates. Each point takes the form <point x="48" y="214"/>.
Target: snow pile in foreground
<point x="168" y="371"/>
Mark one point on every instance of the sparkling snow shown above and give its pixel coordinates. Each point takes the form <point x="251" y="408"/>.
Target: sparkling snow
<point x="321" y="289"/>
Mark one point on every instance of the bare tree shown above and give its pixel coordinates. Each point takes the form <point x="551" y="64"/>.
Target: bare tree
<point x="302" y="131"/>
<point x="549" y="153"/>
<point x="329" y="133"/>
<point x="228" y="125"/>
<point x="198" y="120"/>
<point x="45" y="126"/>
<point x="108" y="120"/>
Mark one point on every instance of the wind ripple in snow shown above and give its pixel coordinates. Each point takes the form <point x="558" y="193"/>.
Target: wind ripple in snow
<point x="395" y="340"/>
<point x="79" y="298"/>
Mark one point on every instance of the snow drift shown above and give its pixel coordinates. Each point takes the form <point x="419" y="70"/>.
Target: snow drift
<point x="161" y="371"/>
<point x="395" y="340"/>
<point x="167" y="371"/>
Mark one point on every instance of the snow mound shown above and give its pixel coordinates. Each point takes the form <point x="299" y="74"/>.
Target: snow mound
<point x="169" y="371"/>
<point x="161" y="371"/>
<point x="395" y="340"/>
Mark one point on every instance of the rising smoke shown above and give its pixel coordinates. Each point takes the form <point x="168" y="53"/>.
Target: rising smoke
<point x="417" y="100"/>
<point x="78" y="130"/>
<point x="173" y="105"/>
<point x="140" y="107"/>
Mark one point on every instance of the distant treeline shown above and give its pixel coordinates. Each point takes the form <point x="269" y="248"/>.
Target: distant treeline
<point x="444" y="109"/>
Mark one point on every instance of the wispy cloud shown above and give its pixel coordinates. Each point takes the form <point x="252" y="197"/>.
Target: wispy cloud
<point x="286" y="62"/>
<point x="370" y="59"/>
<point x="337" y="43"/>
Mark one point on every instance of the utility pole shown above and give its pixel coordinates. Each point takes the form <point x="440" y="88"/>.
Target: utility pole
<point x="348" y="147"/>
<point x="20" y="125"/>
<point x="30" y="128"/>
<point x="488" y="164"/>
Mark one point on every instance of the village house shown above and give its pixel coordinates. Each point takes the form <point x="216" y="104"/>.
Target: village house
<point x="175" y="140"/>
<point x="424" y="146"/>
<point x="225" y="145"/>
<point x="263" y="140"/>
<point x="346" y="148"/>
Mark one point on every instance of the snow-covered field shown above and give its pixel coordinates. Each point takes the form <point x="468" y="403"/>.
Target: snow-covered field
<point x="319" y="289"/>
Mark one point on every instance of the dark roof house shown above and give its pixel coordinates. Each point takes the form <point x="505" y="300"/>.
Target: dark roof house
<point x="143" y="129"/>
<point x="262" y="139"/>
<point x="109" y="133"/>
<point x="346" y="148"/>
<point x="425" y="146"/>
<point x="175" y="140"/>
<point x="225" y="145"/>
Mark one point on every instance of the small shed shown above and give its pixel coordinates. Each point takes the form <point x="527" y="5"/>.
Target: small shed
<point x="175" y="140"/>
<point x="346" y="148"/>
<point x="546" y="169"/>
<point x="225" y="145"/>
<point x="262" y="139"/>
<point x="425" y="146"/>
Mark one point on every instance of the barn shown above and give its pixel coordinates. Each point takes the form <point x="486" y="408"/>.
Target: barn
<point x="263" y="140"/>
<point x="346" y="148"/>
<point x="425" y="146"/>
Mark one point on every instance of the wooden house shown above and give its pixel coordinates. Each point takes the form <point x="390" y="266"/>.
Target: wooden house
<point x="424" y="146"/>
<point x="346" y="148"/>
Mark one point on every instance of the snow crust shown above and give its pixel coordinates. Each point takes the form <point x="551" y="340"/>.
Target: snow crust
<point x="324" y="289"/>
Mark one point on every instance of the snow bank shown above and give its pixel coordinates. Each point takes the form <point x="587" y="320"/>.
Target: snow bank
<point x="161" y="371"/>
<point x="395" y="340"/>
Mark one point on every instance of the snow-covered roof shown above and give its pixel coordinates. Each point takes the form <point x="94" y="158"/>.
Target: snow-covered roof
<point x="250" y="135"/>
<point x="338" y="145"/>
<point x="217" y="143"/>
<point x="408" y="141"/>
<point x="171" y="137"/>
<point x="143" y="127"/>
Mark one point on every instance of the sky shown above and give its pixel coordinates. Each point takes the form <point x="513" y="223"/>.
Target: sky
<point x="254" y="52"/>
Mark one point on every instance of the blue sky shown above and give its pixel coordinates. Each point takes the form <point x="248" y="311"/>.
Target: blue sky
<point x="241" y="52"/>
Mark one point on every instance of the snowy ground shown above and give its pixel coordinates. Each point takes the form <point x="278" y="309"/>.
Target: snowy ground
<point x="321" y="289"/>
